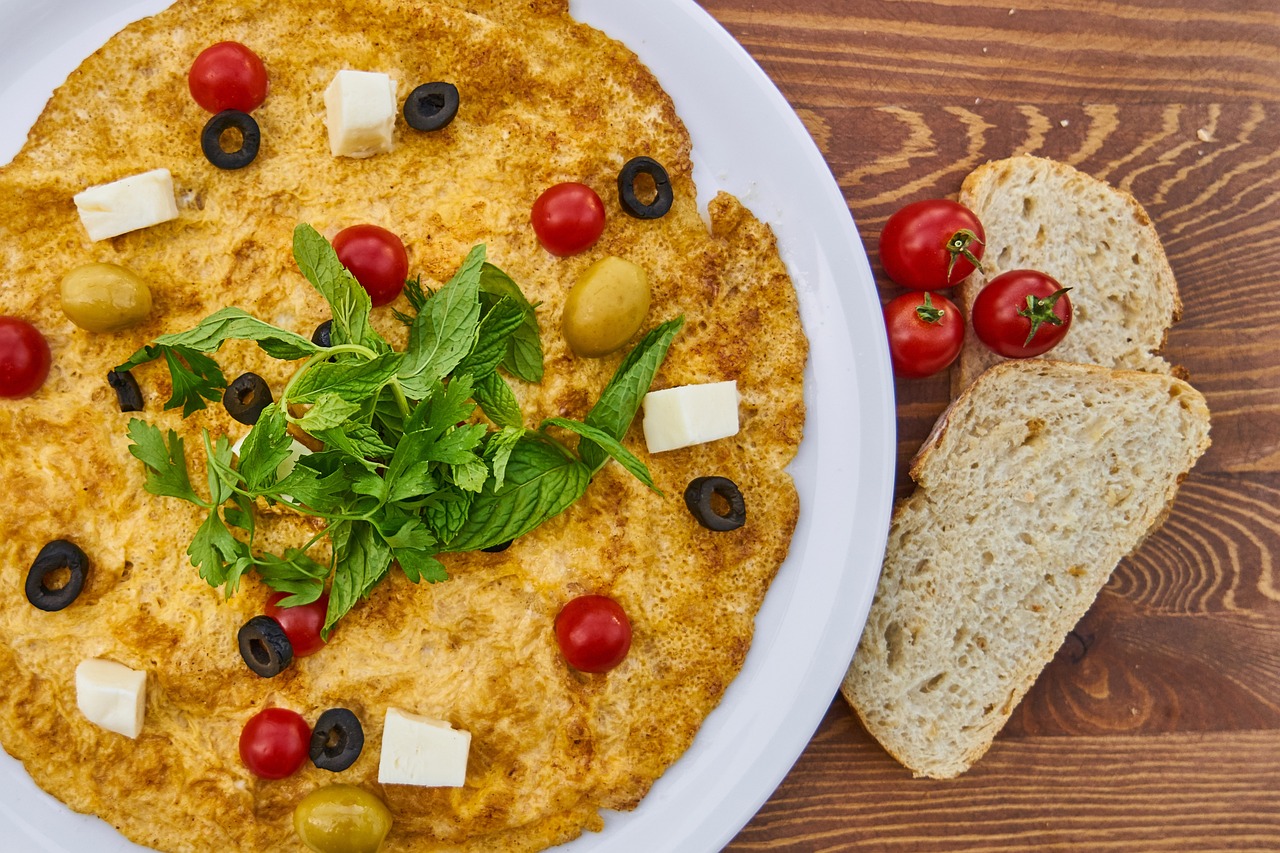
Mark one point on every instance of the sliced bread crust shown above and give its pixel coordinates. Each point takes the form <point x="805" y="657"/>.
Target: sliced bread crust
<point x="1093" y="238"/>
<point x="1036" y="481"/>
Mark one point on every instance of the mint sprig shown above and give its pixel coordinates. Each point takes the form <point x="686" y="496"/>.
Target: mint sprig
<point x="409" y="470"/>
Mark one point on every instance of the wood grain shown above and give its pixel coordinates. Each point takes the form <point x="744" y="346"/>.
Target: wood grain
<point x="1157" y="726"/>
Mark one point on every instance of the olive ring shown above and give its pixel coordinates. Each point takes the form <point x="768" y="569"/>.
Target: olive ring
<point x="627" y="196"/>
<point x="246" y="397"/>
<point x="264" y="646"/>
<point x="58" y="554"/>
<point x="337" y="740"/>
<point x="250" y="139"/>
<point x="431" y="106"/>
<point x="699" y="497"/>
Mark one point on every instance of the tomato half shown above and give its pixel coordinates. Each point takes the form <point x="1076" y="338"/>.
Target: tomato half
<point x="301" y="623"/>
<point x="931" y="244"/>
<point x="594" y="633"/>
<point x="925" y="333"/>
<point x="228" y="76"/>
<point x="376" y="257"/>
<point x="275" y="743"/>
<point x="568" y="218"/>
<point x="1022" y="313"/>
<point x="24" y="358"/>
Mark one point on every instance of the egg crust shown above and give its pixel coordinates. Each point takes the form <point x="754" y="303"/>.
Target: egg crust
<point x="544" y="100"/>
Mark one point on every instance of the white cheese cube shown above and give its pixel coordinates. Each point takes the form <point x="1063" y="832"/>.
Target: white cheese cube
<point x="690" y="414"/>
<point x="111" y="695"/>
<point x="296" y="451"/>
<point x="361" y="113"/>
<point x="138" y="201"/>
<point x="418" y="750"/>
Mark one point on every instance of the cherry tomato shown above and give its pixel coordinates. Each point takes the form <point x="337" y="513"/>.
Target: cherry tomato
<point x="228" y="76"/>
<point x="1022" y="313"/>
<point x="24" y="358"/>
<point x="594" y="633"/>
<point x="301" y="623"/>
<point x="931" y="244"/>
<point x="376" y="257"/>
<point x="925" y="333"/>
<point x="275" y="743"/>
<point x="568" y="218"/>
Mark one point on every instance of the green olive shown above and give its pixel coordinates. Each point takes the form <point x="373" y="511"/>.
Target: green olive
<point x="342" y="819"/>
<point x="104" y="297"/>
<point x="606" y="306"/>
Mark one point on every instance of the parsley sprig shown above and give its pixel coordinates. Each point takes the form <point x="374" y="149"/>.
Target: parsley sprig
<point x="407" y="472"/>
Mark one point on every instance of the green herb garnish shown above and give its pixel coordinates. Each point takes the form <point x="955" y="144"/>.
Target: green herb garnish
<point x="407" y="472"/>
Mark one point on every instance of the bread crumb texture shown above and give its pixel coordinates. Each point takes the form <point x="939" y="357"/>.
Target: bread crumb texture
<point x="1033" y="486"/>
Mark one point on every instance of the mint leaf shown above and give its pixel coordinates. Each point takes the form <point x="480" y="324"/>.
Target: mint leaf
<point x="445" y="330"/>
<point x="497" y="324"/>
<point x="328" y="411"/>
<point x="610" y="445"/>
<point x="361" y="559"/>
<point x="498" y="401"/>
<point x="523" y="358"/>
<point x="446" y="512"/>
<point x="622" y="396"/>
<point x="348" y="301"/>
<point x="541" y="480"/>
<point x="354" y="380"/>
<point x="236" y="324"/>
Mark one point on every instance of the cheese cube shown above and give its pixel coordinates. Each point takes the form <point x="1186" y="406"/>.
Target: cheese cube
<point x="690" y="414"/>
<point x="418" y="750"/>
<point x="361" y="113"/>
<point x="111" y="695"/>
<point x="128" y="204"/>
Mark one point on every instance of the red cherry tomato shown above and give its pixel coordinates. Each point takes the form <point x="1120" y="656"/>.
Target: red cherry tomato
<point x="275" y="743"/>
<point x="301" y="623"/>
<point x="568" y="218"/>
<point x="376" y="257"/>
<point x="228" y="76"/>
<point x="1022" y="313"/>
<point x="925" y="333"/>
<point x="594" y="633"/>
<point x="931" y="244"/>
<point x="24" y="358"/>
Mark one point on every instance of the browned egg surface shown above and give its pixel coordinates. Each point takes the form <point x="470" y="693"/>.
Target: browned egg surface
<point x="543" y="100"/>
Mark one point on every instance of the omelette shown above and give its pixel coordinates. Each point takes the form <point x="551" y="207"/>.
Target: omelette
<point x="543" y="100"/>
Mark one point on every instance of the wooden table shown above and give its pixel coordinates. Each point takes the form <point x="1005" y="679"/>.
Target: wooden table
<point x="1157" y="726"/>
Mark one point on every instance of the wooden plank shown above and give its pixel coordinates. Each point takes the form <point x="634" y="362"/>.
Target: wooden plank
<point x="1176" y="792"/>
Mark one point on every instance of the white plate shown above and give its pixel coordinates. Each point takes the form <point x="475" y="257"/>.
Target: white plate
<point x="747" y="140"/>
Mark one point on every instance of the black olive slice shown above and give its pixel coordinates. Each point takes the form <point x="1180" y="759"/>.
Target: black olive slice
<point x="128" y="394"/>
<point x="265" y="646"/>
<point x="499" y="548"/>
<point x="431" y="106"/>
<point x="323" y="335"/>
<point x="219" y="124"/>
<point x="57" y="555"/>
<point x="702" y="496"/>
<point x="246" y="397"/>
<point x="630" y="199"/>
<point x="337" y="740"/>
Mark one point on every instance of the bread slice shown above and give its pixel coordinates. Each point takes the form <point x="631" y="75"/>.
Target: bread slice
<point x="1045" y="215"/>
<point x="1033" y="485"/>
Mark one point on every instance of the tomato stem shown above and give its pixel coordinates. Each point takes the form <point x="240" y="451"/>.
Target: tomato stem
<point x="928" y="312"/>
<point x="958" y="246"/>
<point x="1040" y="311"/>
